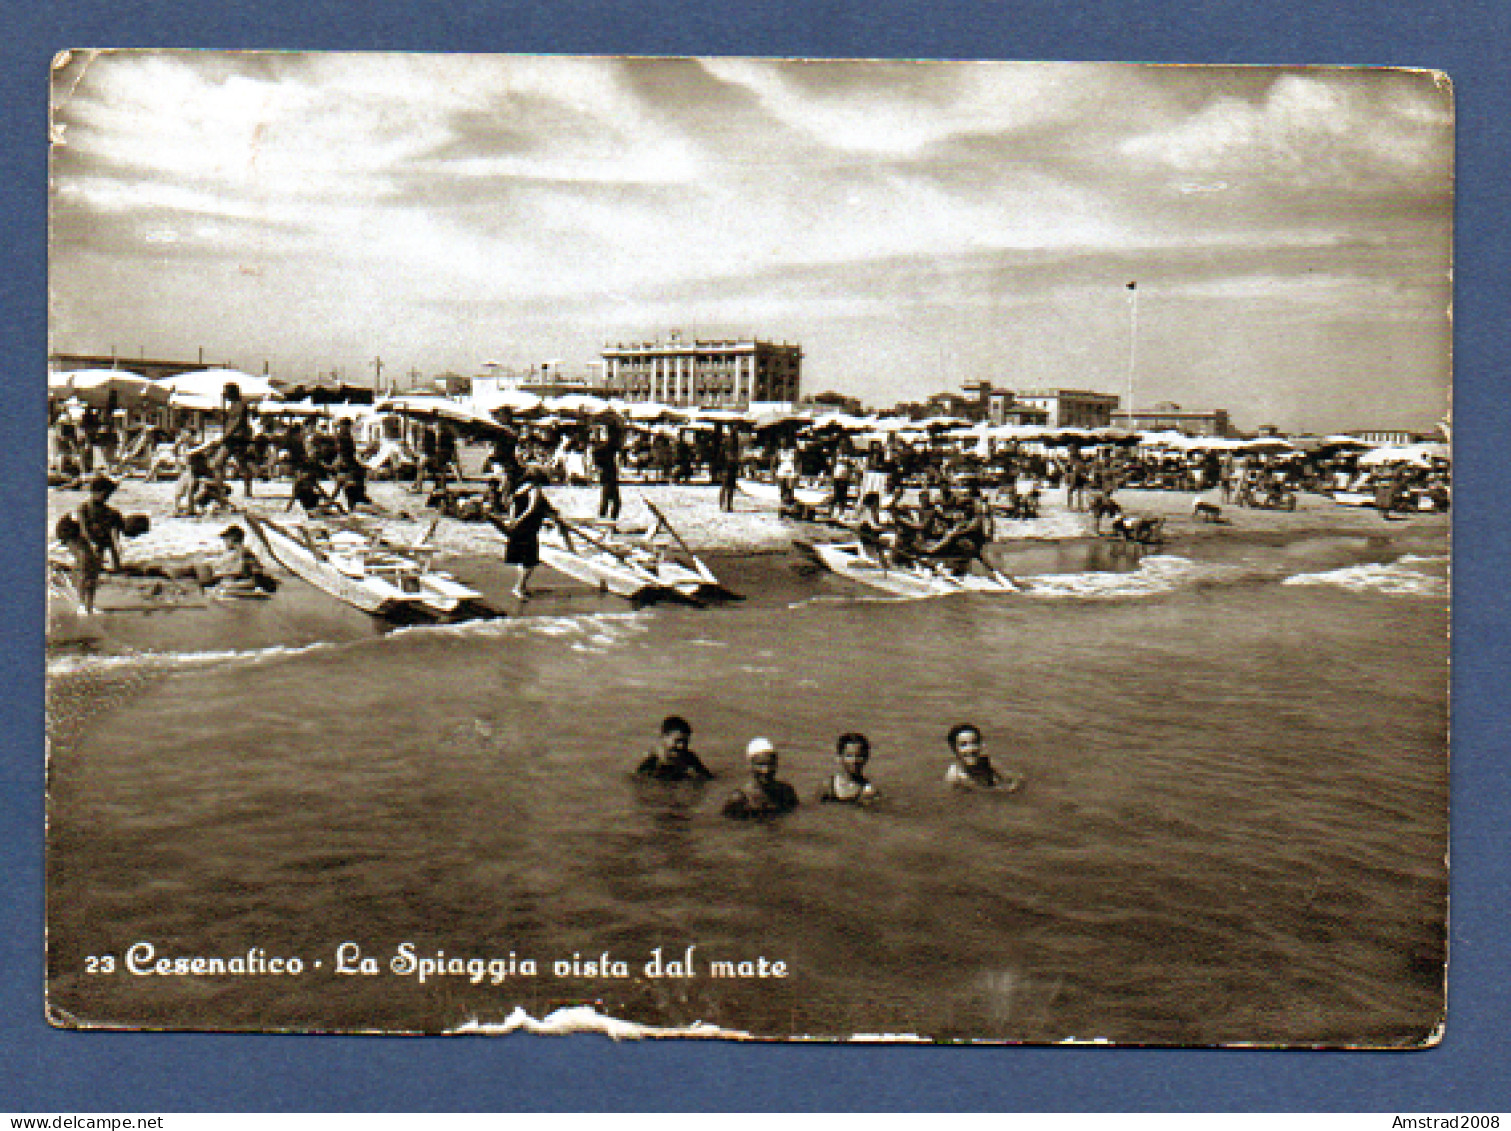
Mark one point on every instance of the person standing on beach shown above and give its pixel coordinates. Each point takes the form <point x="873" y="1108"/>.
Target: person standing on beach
<point x="729" y="470"/>
<point x="840" y="476"/>
<point x="351" y="472"/>
<point x="92" y="533"/>
<point x="89" y="427"/>
<point x="606" y="460"/>
<point x="787" y="472"/>
<point x="426" y="465"/>
<point x="528" y="511"/>
<point x="447" y="461"/>
<point x="235" y="437"/>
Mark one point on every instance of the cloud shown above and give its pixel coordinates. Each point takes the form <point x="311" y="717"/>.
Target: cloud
<point x="431" y="206"/>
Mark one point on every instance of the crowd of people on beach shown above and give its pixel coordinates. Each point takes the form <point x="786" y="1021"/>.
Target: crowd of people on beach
<point x="766" y="795"/>
<point x="930" y="500"/>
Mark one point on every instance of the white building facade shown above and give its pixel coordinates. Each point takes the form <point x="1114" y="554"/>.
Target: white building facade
<point x="713" y="373"/>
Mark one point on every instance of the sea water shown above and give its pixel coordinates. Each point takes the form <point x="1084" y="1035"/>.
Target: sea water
<point x="1233" y="827"/>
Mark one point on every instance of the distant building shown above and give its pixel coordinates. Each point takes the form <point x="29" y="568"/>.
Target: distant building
<point x="955" y="404"/>
<point x="1166" y="416"/>
<point x="154" y="369"/>
<point x="1396" y="438"/>
<point x="1071" y="408"/>
<point x="544" y="379"/>
<point x="715" y="373"/>
<point x="833" y="402"/>
<point x="998" y="406"/>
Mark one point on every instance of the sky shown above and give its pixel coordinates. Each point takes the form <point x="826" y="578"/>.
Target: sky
<point x="912" y="225"/>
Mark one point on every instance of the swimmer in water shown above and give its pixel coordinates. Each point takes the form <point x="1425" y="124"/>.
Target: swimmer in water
<point x="848" y="783"/>
<point x="671" y="759"/>
<point x="972" y="769"/>
<point x="764" y="795"/>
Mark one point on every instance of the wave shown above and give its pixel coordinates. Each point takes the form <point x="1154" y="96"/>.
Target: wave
<point x="82" y="663"/>
<point x="593" y="632"/>
<point x="581" y="632"/>
<point x="1395" y="579"/>
<point x="1156" y="575"/>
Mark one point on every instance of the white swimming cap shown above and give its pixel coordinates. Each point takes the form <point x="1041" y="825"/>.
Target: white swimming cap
<point x="759" y="746"/>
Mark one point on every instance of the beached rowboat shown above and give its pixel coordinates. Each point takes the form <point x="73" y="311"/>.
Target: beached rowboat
<point x="361" y="570"/>
<point x="602" y="568"/>
<point x="856" y="561"/>
<point x="634" y="570"/>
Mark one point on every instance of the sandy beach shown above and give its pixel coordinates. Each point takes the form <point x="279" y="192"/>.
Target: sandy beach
<point x="753" y="527"/>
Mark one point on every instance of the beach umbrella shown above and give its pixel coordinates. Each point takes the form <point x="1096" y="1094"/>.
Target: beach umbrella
<point x="208" y="385"/>
<point x="1419" y="455"/>
<point x="652" y="411"/>
<point x="292" y="408"/>
<point x="842" y="421"/>
<point x="1067" y="436"/>
<point x="195" y="402"/>
<point x="515" y="400"/>
<point x="777" y="418"/>
<point x="1166" y="439"/>
<point x="1265" y="444"/>
<point x="580" y="404"/>
<point x="721" y="415"/>
<point x="941" y="423"/>
<point x="439" y="408"/>
<point x="95" y="386"/>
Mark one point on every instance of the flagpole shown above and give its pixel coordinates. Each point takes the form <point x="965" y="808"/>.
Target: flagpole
<point x="1132" y="344"/>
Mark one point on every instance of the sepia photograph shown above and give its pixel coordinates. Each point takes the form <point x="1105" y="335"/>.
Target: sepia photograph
<point x="748" y="548"/>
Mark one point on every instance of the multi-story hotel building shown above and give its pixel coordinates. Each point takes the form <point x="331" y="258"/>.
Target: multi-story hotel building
<point x="1168" y="416"/>
<point x="1071" y="408"/>
<point x="715" y="373"/>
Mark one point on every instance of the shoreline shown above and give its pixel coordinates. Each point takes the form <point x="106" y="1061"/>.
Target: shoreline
<point x="753" y="528"/>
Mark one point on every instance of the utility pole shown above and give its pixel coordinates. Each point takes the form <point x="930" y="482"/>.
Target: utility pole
<point x="377" y="375"/>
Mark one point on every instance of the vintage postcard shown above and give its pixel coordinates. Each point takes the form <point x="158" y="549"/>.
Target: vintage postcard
<point x="748" y="548"/>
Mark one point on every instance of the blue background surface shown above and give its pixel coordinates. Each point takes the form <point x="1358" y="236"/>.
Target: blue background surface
<point x="45" y="1070"/>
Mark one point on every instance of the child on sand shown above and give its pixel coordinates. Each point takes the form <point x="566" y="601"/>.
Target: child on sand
<point x="764" y="796"/>
<point x="671" y="759"/>
<point x="972" y="769"/>
<point x="91" y="534"/>
<point x="848" y="783"/>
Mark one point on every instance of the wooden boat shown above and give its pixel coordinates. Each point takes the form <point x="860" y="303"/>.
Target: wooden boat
<point x="612" y="570"/>
<point x="857" y="562"/>
<point x="638" y="569"/>
<point x="363" y="570"/>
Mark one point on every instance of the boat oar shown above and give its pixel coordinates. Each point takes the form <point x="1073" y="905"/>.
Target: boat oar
<point x="703" y="571"/>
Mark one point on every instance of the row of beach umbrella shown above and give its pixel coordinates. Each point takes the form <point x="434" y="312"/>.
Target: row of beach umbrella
<point x="204" y="391"/>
